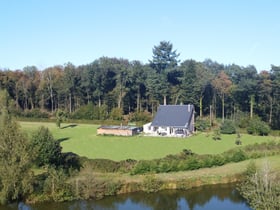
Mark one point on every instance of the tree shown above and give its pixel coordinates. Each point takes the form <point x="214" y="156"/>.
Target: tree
<point x="203" y="80"/>
<point x="264" y="96"/>
<point x="275" y="77"/>
<point x="16" y="176"/>
<point x="87" y="80"/>
<point x="164" y="57"/>
<point x="32" y="81"/>
<point x="104" y="79"/>
<point x="138" y="84"/>
<point x="154" y="89"/>
<point x="123" y="77"/>
<point x="47" y="149"/>
<point x="52" y="78"/>
<point x="222" y="84"/>
<point x="164" y="60"/>
<point x="72" y="86"/>
<point x="189" y="93"/>
<point x="245" y="80"/>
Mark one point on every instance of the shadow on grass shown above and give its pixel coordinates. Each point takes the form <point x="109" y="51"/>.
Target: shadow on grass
<point x="69" y="126"/>
<point x="62" y="139"/>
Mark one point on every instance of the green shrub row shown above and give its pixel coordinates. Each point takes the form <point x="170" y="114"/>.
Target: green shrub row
<point x="109" y="166"/>
<point x="194" y="161"/>
<point x="34" y="113"/>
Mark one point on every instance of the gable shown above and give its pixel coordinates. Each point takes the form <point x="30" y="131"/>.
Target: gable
<point x="173" y="116"/>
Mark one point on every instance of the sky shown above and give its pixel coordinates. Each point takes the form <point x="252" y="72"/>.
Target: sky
<point x="45" y="33"/>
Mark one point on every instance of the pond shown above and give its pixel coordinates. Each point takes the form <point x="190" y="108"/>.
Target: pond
<point x="208" y="197"/>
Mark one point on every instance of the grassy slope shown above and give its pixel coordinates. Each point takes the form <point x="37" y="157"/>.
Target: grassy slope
<point x="82" y="140"/>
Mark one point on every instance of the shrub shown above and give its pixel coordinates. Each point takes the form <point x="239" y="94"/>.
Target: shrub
<point x="242" y="119"/>
<point x="91" y="112"/>
<point x="193" y="163"/>
<point x="116" y="114"/>
<point x="140" y="117"/>
<point x="202" y="124"/>
<point x="151" y="184"/>
<point x="60" y="117"/>
<point x="258" y="127"/>
<point x="261" y="188"/>
<point x="85" y="112"/>
<point x="217" y="160"/>
<point x="33" y="113"/>
<point x="103" y="165"/>
<point x="238" y="139"/>
<point x="228" y="127"/>
<point x="238" y="156"/>
<point x="216" y="134"/>
<point x="145" y="166"/>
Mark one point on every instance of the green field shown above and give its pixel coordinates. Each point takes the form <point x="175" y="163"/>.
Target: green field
<point x="82" y="140"/>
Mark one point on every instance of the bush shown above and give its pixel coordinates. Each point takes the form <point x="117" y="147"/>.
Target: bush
<point x="33" y="113"/>
<point x="151" y="184"/>
<point x="60" y="117"/>
<point x="116" y="114"/>
<point x="228" y="127"/>
<point x="145" y="166"/>
<point x="216" y="135"/>
<point x="91" y="112"/>
<point x="258" y="127"/>
<point x="261" y="188"/>
<point x="242" y="119"/>
<point x="202" y="124"/>
<point x="217" y="160"/>
<point x="238" y="139"/>
<point x="238" y="156"/>
<point x="140" y="117"/>
<point x="86" y="112"/>
<point x="193" y="163"/>
<point x="103" y="165"/>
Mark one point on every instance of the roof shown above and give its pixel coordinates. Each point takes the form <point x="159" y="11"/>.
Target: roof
<point x="117" y="127"/>
<point x="173" y="116"/>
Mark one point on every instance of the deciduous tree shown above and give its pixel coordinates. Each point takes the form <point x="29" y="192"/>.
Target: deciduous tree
<point x="223" y="85"/>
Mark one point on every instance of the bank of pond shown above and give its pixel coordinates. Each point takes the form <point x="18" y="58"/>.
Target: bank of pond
<point x="212" y="197"/>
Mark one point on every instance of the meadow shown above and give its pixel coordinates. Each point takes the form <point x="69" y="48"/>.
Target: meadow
<point x="82" y="140"/>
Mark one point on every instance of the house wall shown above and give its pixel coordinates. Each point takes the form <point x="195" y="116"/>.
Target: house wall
<point x="147" y="128"/>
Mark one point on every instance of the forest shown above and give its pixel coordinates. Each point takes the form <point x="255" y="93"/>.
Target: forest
<point x="114" y="87"/>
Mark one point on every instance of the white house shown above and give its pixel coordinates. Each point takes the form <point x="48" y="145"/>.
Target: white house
<point x="172" y="120"/>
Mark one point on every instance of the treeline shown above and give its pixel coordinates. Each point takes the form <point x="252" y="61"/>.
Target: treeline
<point x="118" y="87"/>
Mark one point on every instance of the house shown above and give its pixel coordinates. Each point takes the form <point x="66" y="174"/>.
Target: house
<point x="117" y="130"/>
<point x="172" y="120"/>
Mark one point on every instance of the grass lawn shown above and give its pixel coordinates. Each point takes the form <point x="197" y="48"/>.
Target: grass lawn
<point x="82" y="140"/>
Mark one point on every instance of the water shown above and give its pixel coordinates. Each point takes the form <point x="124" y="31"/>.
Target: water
<point x="202" y="198"/>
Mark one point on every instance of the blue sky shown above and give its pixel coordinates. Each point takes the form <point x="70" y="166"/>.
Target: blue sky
<point x="53" y="32"/>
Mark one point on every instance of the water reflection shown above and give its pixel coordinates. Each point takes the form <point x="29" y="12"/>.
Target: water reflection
<point x="209" y="197"/>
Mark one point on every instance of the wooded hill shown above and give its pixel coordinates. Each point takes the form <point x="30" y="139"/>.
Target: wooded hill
<point x="119" y="86"/>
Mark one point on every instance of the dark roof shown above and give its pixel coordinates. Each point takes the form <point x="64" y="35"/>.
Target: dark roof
<point x="173" y="116"/>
